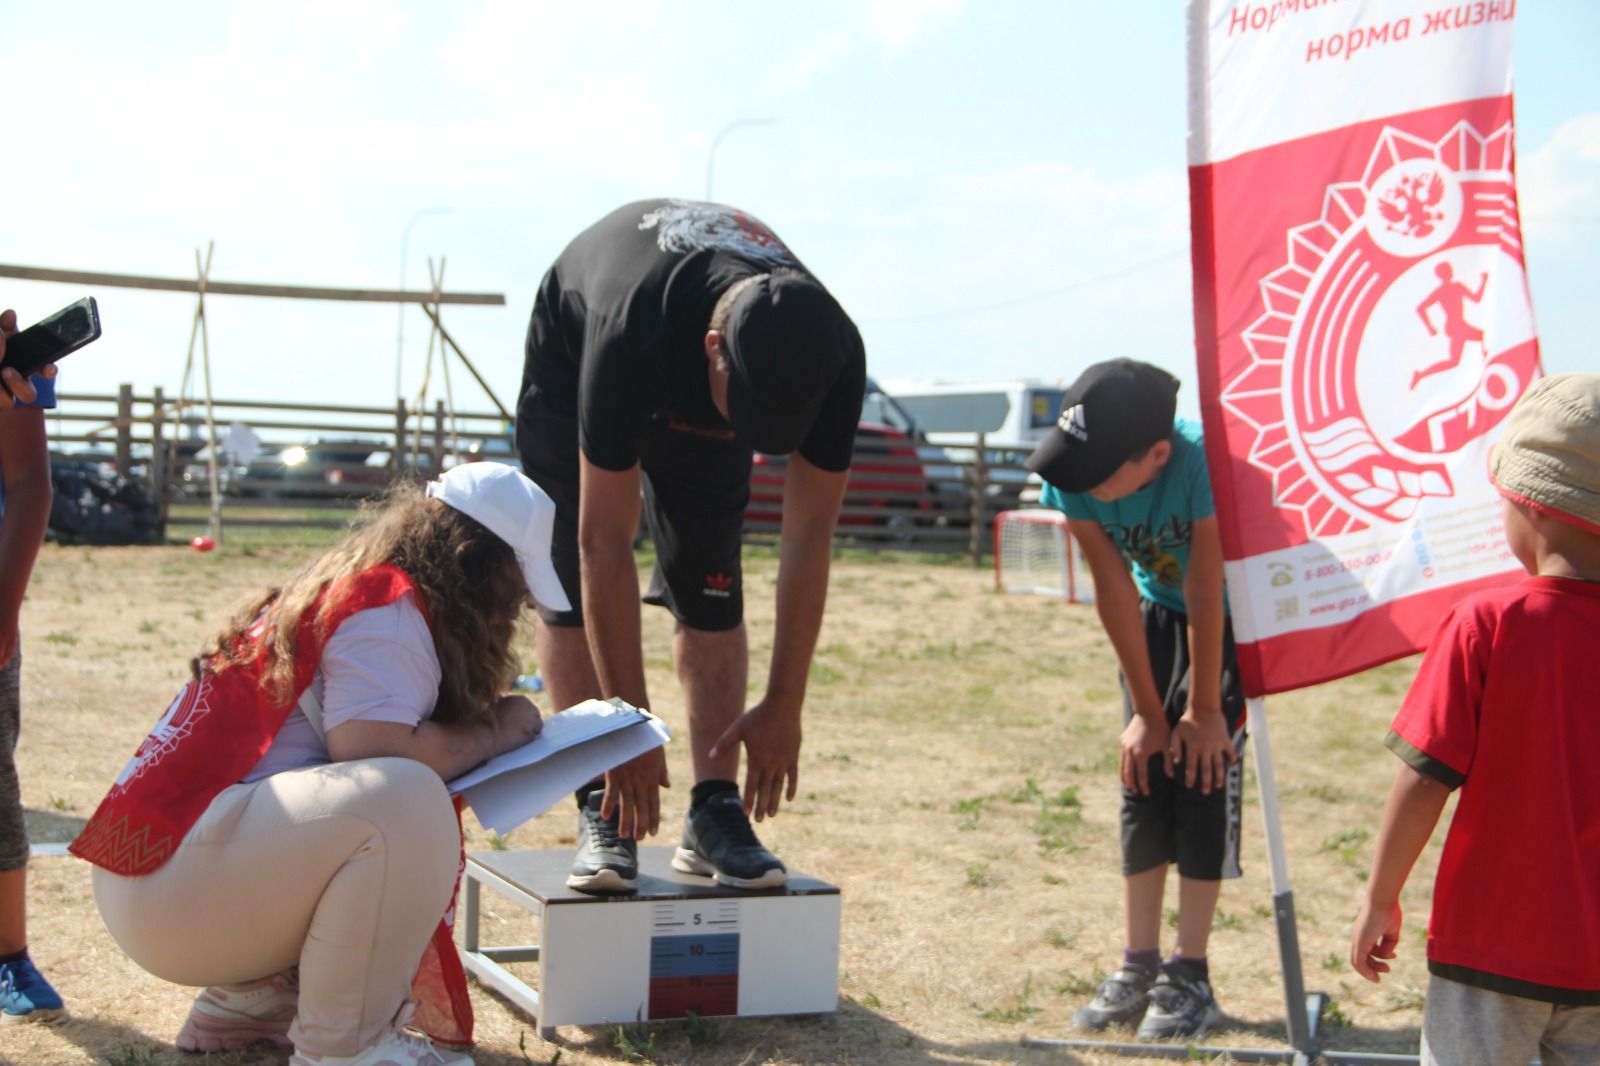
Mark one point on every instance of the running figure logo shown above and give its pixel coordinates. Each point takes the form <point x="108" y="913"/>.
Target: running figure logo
<point x="1372" y="364"/>
<point x="1449" y="298"/>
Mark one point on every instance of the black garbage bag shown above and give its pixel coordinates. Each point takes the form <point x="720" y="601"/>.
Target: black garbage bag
<point x="93" y="506"/>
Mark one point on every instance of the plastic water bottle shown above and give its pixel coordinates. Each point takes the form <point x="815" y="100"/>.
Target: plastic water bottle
<point x="528" y="683"/>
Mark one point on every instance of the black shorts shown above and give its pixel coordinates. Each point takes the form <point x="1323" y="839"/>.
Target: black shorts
<point x="695" y="491"/>
<point x="1175" y="823"/>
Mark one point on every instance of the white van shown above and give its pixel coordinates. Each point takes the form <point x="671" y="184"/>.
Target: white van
<point x="1010" y="414"/>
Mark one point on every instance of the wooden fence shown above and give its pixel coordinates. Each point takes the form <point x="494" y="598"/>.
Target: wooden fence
<point x="901" y="494"/>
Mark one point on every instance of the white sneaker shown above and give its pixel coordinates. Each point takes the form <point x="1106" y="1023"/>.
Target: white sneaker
<point x="225" y="1019"/>
<point x="397" y="1047"/>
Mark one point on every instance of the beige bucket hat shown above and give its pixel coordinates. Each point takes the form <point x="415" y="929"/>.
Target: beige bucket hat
<point x="1549" y="455"/>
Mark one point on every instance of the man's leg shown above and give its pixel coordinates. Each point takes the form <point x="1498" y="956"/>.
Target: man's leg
<point x="547" y="442"/>
<point x="605" y="861"/>
<point x="565" y="665"/>
<point x="713" y="667"/>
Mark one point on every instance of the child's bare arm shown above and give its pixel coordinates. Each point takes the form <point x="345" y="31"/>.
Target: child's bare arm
<point x="1117" y="602"/>
<point x="1201" y="739"/>
<point x="25" y="466"/>
<point x="1415" y="803"/>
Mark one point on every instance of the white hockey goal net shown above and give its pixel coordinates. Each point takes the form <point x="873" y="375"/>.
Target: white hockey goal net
<point x="1034" y="552"/>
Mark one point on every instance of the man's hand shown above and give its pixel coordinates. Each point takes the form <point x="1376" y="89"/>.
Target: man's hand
<point x="633" y="794"/>
<point x="1142" y="739"/>
<point x="1374" y="938"/>
<point x="771" y="738"/>
<point x="1201" y="743"/>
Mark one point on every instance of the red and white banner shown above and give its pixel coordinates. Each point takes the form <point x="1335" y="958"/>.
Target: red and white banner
<point x="1362" y="316"/>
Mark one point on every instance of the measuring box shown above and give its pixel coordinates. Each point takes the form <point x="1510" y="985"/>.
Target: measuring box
<point x="680" y="944"/>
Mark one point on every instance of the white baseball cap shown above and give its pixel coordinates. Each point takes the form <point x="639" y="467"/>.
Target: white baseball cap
<point x="506" y="503"/>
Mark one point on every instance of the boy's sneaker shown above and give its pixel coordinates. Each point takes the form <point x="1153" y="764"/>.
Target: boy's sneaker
<point x="399" y="1048"/>
<point x="1181" y="1005"/>
<point x="226" y="1019"/>
<point x="1122" y="998"/>
<point x="605" y="861"/>
<point x="718" y="842"/>
<point x="25" y="996"/>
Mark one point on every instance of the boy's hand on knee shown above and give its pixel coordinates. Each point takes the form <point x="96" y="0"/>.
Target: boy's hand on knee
<point x="1376" y="937"/>
<point x="1142" y="740"/>
<point x="1201" y="743"/>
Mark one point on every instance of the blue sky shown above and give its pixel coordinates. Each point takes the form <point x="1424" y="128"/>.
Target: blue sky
<point x="992" y="189"/>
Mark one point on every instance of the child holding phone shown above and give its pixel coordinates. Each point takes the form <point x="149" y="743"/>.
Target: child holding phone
<point x="25" y="994"/>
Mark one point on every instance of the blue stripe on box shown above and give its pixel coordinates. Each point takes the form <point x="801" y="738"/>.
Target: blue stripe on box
<point x="694" y="956"/>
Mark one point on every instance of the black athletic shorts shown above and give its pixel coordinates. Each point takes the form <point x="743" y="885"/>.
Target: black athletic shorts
<point x="1174" y="823"/>
<point x="695" y="491"/>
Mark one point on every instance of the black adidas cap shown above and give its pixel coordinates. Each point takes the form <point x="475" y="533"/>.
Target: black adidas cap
<point x="787" y="341"/>
<point x="1114" y="410"/>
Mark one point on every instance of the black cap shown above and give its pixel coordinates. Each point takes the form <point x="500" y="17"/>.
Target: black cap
<point x="786" y="341"/>
<point x="1115" y="410"/>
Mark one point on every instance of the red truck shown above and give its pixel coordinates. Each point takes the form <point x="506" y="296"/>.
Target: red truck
<point x="887" y="493"/>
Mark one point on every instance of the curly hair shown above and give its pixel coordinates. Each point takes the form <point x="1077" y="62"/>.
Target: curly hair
<point x="467" y="578"/>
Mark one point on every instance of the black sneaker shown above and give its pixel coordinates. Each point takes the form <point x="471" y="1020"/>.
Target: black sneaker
<point x="1181" y="1005"/>
<point x="605" y="861"/>
<point x="1122" y="998"/>
<point x="718" y="842"/>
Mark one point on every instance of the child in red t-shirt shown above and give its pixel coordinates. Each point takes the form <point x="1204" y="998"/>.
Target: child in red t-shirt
<point x="1503" y="707"/>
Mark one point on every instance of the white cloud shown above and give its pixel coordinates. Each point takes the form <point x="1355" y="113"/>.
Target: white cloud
<point x="333" y="33"/>
<point x="886" y="25"/>
<point x="1558" y="184"/>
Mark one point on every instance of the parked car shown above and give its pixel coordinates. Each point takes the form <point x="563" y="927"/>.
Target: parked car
<point x="1011" y="414"/>
<point x="319" y="467"/>
<point x="493" y="450"/>
<point x="887" y="490"/>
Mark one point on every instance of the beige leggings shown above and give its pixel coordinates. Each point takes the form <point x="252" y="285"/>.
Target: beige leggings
<point x="344" y="870"/>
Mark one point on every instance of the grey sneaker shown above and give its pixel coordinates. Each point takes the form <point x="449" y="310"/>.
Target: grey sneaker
<point x="718" y="842"/>
<point x="1181" y="1005"/>
<point x="605" y="861"/>
<point x="1122" y="998"/>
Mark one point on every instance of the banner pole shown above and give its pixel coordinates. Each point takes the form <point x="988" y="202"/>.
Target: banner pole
<point x="1299" y="1011"/>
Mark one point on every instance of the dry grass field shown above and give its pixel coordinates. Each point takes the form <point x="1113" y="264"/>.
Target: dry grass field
<point x="957" y="783"/>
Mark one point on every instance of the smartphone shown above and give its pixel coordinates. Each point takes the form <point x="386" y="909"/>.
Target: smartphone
<point x="49" y="339"/>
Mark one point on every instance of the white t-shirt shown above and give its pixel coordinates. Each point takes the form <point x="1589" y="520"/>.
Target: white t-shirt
<point x="379" y="666"/>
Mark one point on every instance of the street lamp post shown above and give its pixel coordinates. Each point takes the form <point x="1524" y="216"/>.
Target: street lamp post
<point x="400" y="326"/>
<point x="711" y="153"/>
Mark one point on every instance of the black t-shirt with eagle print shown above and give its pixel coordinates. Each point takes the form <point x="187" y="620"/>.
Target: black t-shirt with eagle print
<point x="617" y="334"/>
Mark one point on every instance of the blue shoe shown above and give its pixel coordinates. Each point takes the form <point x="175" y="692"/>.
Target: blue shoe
<point x="25" y="995"/>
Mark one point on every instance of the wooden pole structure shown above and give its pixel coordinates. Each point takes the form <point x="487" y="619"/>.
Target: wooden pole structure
<point x="445" y="334"/>
<point x="204" y="271"/>
<point x="449" y="393"/>
<point x="238" y="288"/>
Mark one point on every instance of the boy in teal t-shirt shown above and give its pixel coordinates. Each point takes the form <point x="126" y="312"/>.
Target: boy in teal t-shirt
<point x="1131" y="479"/>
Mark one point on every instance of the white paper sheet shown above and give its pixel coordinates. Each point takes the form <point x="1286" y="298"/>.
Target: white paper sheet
<point x="576" y="746"/>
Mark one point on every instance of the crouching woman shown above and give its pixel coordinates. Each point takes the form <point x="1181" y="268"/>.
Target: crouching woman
<point x="284" y="837"/>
